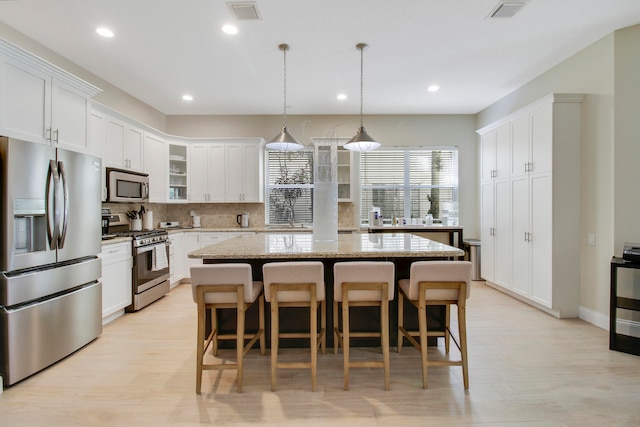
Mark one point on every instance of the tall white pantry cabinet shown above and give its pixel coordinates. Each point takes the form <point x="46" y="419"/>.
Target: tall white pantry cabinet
<point x="530" y="204"/>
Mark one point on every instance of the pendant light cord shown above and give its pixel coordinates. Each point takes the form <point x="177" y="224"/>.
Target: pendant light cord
<point x="361" y="46"/>
<point x="284" y="48"/>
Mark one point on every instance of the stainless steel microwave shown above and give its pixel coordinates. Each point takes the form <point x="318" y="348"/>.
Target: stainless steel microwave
<point x="127" y="186"/>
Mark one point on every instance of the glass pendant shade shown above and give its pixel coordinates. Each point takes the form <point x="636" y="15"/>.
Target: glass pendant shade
<point x="361" y="141"/>
<point x="284" y="141"/>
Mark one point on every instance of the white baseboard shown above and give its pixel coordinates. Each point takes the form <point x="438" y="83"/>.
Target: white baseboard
<point x="624" y="327"/>
<point x="598" y="319"/>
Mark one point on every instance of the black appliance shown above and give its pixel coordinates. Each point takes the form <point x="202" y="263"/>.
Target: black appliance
<point x="631" y="252"/>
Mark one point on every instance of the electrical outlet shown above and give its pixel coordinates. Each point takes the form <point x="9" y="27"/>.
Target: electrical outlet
<point x="591" y="239"/>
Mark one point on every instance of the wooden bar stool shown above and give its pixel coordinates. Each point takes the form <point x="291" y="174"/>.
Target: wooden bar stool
<point x="358" y="284"/>
<point x="217" y="286"/>
<point x="436" y="283"/>
<point x="296" y="284"/>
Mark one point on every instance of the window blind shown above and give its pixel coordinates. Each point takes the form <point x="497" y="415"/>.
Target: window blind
<point x="410" y="183"/>
<point x="289" y="187"/>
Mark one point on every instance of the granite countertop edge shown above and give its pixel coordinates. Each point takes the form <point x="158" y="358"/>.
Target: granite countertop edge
<point x="253" y="230"/>
<point x="203" y="254"/>
<point x="116" y="240"/>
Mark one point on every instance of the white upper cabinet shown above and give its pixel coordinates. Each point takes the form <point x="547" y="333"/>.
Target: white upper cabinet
<point x="207" y="174"/>
<point x="532" y="144"/>
<point x="155" y="165"/>
<point x="344" y="164"/>
<point x="178" y="174"/>
<point x="42" y="103"/>
<point x="123" y="145"/>
<point x="226" y="171"/>
<point x="495" y="153"/>
<point x="244" y="171"/>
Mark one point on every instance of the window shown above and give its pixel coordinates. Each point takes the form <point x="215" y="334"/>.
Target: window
<point x="410" y="183"/>
<point x="289" y="187"/>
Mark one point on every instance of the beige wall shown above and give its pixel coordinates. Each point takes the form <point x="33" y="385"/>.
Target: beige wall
<point x="591" y="71"/>
<point x="390" y="130"/>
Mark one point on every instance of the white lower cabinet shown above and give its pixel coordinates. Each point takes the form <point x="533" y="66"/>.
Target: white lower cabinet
<point x="530" y="218"/>
<point x="194" y="241"/>
<point x="176" y="258"/>
<point x="191" y="243"/>
<point x="116" y="280"/>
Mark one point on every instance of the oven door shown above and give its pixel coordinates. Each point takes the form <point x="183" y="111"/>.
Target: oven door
<point x="146" y="275"/>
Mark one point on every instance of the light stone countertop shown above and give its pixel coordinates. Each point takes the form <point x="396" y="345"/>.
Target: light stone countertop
<point x="415" y="227"/>
<point x="270" y="229"/>
<point x="299" y="245"/>
<point x="116" y="240"/>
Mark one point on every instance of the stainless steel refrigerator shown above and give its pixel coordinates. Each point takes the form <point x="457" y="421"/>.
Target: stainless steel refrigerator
<point x="50" y="287"/>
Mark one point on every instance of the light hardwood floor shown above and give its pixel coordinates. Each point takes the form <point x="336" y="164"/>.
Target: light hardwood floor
<point x="526" y="369"/>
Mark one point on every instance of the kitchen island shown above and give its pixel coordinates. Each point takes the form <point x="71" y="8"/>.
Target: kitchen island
<point x="400" y="248"/>
<point x="287" y="246"/>
<point x="453" y="231"/>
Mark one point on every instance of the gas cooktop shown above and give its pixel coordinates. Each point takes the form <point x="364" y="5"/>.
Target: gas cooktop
<point x="141" y="234"/>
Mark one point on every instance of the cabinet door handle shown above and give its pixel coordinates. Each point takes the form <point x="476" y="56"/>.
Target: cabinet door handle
<point x="48" y="137"/>
<point x="57" y="135"/>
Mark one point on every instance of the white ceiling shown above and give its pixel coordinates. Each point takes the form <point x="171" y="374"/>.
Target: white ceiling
<point x="165" y="48"/>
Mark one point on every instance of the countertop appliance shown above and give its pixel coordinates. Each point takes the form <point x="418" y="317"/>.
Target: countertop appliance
<point x="631" y="252"/>
<point x="127" y="186"/>
<point x="243" y="220"/>
<point x="50" y="287"/>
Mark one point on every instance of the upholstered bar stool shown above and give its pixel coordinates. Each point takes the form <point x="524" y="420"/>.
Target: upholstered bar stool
<point x="296" y="284"/>
<point x="436" y="283"/>
<point x="217" y="286"/>
<point x="357" y="284"/>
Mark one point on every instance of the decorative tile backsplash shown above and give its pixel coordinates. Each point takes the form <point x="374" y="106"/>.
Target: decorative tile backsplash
<point x="216" y="215"/>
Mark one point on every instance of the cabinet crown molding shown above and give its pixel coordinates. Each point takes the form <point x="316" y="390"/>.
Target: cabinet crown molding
<point x="12" y="51"/>
<point x="553" y="98"/>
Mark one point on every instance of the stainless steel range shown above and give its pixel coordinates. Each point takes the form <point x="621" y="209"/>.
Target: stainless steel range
<point x="150" y="250"/>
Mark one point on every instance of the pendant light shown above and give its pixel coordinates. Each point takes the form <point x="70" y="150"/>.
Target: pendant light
<point x="284" y="141"/>
<point x="361" y="141"/>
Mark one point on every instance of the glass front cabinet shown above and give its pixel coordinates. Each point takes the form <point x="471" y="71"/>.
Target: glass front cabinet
<point x="344" y="166"/>
<point x="178" y="172"/>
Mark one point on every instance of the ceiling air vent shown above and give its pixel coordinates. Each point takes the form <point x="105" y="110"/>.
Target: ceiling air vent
<point x="244" y="11"/>
<point x="506" y="9"/>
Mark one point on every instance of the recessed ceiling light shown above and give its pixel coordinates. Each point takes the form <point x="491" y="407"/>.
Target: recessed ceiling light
<point x="230" y="29"/>
<point x="433" y="88"/>
<point x="187" y="97"/>
<point x="104" y="32"/>
<point x="342" y="96"/>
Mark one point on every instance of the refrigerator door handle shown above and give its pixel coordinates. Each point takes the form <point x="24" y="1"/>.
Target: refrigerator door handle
<point x="52" y="226"/>
<point x="65" y="212"/>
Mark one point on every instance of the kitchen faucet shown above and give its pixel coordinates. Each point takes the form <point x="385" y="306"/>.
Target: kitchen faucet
<point x="291" y="216"/>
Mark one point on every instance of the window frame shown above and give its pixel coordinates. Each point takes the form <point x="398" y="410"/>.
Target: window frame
<point x="290" y="189"/>
<point x="451" y="205"/>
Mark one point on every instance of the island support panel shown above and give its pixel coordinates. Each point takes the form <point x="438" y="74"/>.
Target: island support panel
<point x="362" y="318"/>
